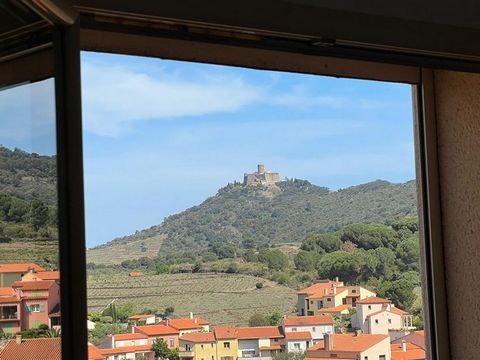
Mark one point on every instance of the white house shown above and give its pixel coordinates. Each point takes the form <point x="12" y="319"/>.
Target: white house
<point x="316" y="325"/>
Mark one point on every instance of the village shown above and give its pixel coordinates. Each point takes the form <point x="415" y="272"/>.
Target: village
<point x="30" y="299"/>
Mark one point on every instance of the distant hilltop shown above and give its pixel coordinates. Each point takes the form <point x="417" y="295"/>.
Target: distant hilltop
<point x="261" y="177"/>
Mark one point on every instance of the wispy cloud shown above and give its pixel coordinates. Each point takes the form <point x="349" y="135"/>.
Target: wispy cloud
<point x="116" y="96"/>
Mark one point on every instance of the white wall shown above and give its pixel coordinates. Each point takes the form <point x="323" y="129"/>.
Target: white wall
<point x="317" y="334"/>
<point x="382" y="348"/>
<point x="291" y="345"/>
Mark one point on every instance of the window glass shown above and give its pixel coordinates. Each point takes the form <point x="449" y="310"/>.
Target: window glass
<point x="29" y="276"/>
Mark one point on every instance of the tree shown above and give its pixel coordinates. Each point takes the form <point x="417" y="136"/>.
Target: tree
<point x="274" y="319"/>
<point x="169" y="310"/>
<point x="386" y="266"/>
<point x="323" y="243"/>
<point x="275" y="259"/>
<point x="259" y="285"/>
<point x="401" y="292"/>
<point x="163" y="269"/>
<point x="38" y="214"/>
<point x="352" y="267"/>
<point x="124" y="311"/>
<point x="249" y="243"/>
<point x="161" y="350"/>
<point x="250" y="256"/>
<point x="408" y="254"/>
<point x="257" y="320"/>
<point x="305" y="260"/>
<point x="369" y="236"/>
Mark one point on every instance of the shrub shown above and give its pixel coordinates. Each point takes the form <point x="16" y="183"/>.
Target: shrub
<point x="259" y="285"/>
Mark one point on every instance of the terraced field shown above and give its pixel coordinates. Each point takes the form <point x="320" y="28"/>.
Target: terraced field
<point x="219" y="298"/>
<point x="41" y="252"/>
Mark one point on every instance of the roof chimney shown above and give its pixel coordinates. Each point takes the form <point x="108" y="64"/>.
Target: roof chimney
<point x="404" y="346"/>
<point x="358" y="332"/>
<point x="195" y="320"/>
<point x="18" y="339"/>
<point x="334" y="289"/>
<point x="336" y="278"/>
<point x="325" y="291"/>
<point x="191" y="315"/>
<point x="328" y="341"/>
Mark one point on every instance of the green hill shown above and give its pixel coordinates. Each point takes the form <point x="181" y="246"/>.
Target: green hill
<point x="285" y="213"/>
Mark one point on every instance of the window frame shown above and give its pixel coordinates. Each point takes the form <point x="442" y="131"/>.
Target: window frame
<point x="120" y="38"/>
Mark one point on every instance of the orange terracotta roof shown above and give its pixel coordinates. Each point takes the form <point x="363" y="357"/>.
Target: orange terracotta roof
<point x="413" y="352"/>
<point x="33" y="349"/>
<point x="7" y="291"/>
<point x="153" y="330"/>
<point x="185" y="324"/>
<point x="298" y="335"/>
<point x="417" y="338"/>
<point x="335" y="309"/>
<point x="33" y="285"/>
<point x="199" y="337"/>
<point x="94" y="353"/>
<point x="320" y="286"/>
<point x="225" y="332"/>
<point x="20" y="268"/>
<point x="420" y="332"/>
<point x="126" y="350"/>
<point x="129" y="336"/>
<point x="353" y="296"/>
<point x="329" y="358"/>
<point x="140" y="317"/>
<point x="374" y="300"/>
<point x="307" y="320"/>
<point x="259" y="332"/>
<point x="328" y="292"/>
<point x="271" y="347"/>
<point x="351" y="342"/>
<point x="398" y="311"/>
<point x="9" y="299"/>
<point x="48" y="275"/>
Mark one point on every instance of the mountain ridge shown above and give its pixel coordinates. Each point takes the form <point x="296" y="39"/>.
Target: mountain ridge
<point x="283" y="213"/>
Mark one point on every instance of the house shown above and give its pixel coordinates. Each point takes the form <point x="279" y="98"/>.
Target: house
<point x="123" y="340"/>
<point x="298" y="341"/>
<point x="128" y="352"/>
<point x="42" y="275"/>
<point x="377" y="315"/>
<point x="351" y="346"/>
<point x="40" y="302"/>
<point x="187" y="325"/>
<point x="407" y="351"/>
<point x="152" y="332"/>
<point x="147" y="319"/>
<point x="227" y="342"/>
<point x="136" y="274"/>
<point x="33" y="349"/>
<point x="10" y="309"/>
<point x="415" y="337"/>
<point x="315" y="325"/>
<point x="260" y="341"/>
<point x="9" y="273"/>
<point x="198" y="346"/>
<point x="328" y="294"/>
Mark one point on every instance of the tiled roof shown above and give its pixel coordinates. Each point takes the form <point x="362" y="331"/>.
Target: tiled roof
<point x="259" y="332"/>
<point x="140" y="317"/>
<point x="225" y="332"/>
<point x="48" y="275"/>
<point x="33" y="285"/>
<point x="398" y="311"/>
<point x="126" y="349"/>
<point x="416" y="338"/>
<point x="94" y="353"/>
<point x="413" y="352"/>
<point x="298" y="335"/>
<point x="307" y="320"/>
<point x="271" y="347"/>
<point x="350" y="342"/>
<point x="153" y="330"/>
<point x="6" y="291"/>
<point x="329" y="358"/>
<point x="335" y="309"/>
<point x="199" y="337"/>
<point x="33" y="349"/>
<point x="374" y="300"/>
<point x="9" y="299"/>
<point x="318" y="287"/>
<point x="185" y="324"/>
<point x="19" y="268"/>
<point x="129" y="336"/>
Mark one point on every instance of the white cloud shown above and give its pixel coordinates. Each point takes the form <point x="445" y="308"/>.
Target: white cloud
<point x="114" y="97"/>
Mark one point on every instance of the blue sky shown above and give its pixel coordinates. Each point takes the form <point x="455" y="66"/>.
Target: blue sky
<point x="161" y="136"/>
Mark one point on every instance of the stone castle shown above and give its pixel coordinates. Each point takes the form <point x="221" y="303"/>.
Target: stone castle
<point x="261" y="177"/>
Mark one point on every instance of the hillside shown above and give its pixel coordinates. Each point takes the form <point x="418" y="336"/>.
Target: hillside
<point x="28" y="176"/>
<point x="267" y="215"/>
<point x="28" y="212"/>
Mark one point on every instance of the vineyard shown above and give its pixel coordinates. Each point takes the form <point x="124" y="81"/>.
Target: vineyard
<point x="41" y="252"/>
<point x="219" y="298"/>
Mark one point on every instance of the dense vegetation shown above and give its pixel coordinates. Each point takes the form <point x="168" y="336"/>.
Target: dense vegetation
<point x="28" y="210"/>
<point x="273" y="215"/>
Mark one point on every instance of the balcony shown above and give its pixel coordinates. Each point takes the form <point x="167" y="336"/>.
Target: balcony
<point x="8" y="313"/>
<point x="185" y="353"/>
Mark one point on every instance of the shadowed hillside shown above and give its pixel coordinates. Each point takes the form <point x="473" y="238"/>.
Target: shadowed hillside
<point x="284" y="213"/>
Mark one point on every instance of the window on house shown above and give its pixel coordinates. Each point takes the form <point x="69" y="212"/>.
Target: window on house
<point x="389" y="321"/>
<point x="226" y="345"/>
<point x="376" y="321"/>
<point x="294" y="329"/>
<point x="365" y="358"/>
<point x="296" y="346"/>
<point x="201" y="346"/>
<point x="369" y="307"/>
<point x="314" y="329"/>
<point x="382" y="357"/>
<point x="329" y="299"/>
<point x="35" y="308"/>
<point x="248" y="353"/>
<point x="172" y="342"/>
<point x="353" y="292"/>
<point x="187" y="347"/>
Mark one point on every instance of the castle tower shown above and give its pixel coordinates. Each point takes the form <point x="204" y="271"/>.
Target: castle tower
<point x="261" y="169"/>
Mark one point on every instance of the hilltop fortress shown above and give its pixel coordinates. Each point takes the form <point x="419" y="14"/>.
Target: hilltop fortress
<point x="261" y="177"/>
